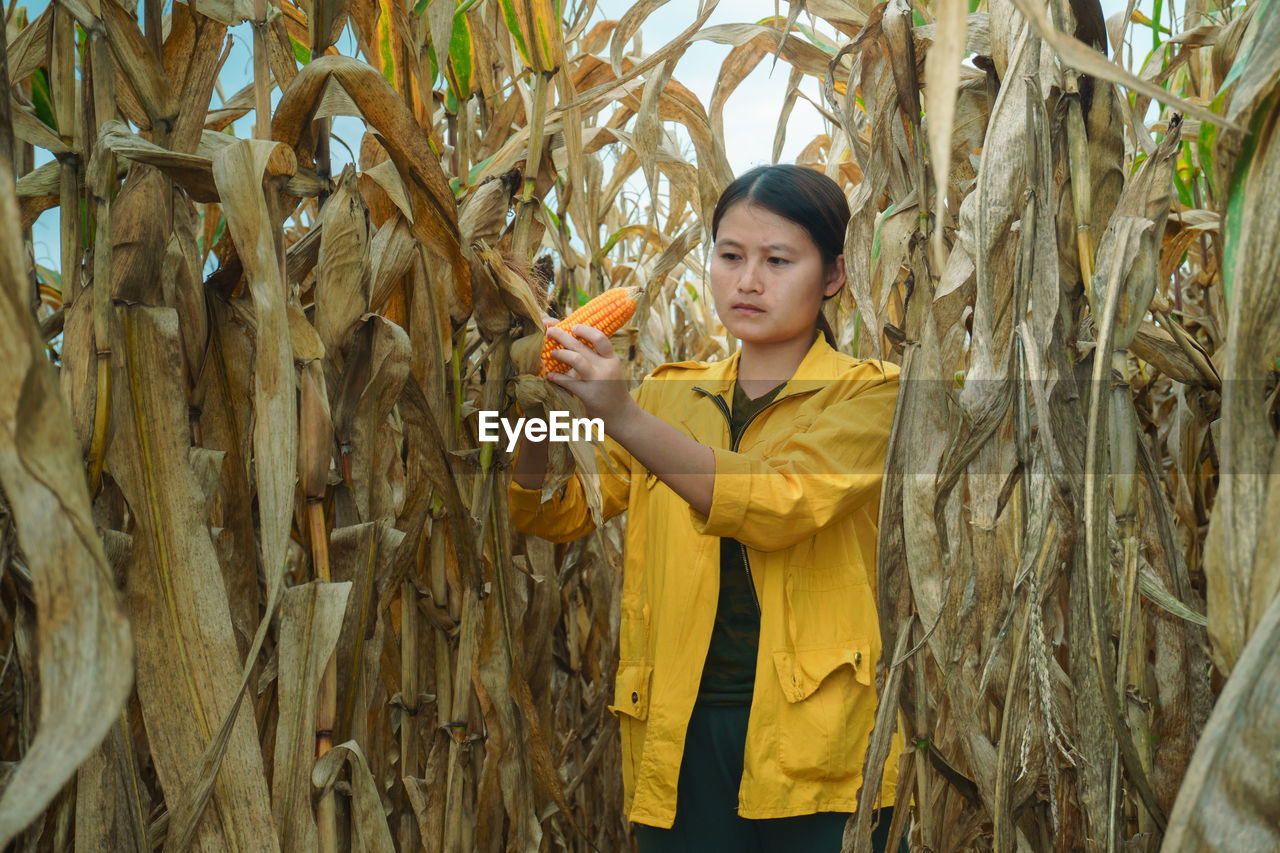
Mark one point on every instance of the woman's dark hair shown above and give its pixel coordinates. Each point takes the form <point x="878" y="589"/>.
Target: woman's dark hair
<point x="806" y="197"/>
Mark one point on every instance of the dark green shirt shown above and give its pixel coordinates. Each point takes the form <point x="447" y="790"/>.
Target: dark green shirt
<point x="729" y="676"/>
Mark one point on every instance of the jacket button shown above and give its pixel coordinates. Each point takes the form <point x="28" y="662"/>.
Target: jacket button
<point x="857" y="658"/>
<point x="635" y="697"/>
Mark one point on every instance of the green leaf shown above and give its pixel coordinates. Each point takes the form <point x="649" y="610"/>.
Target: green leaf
<point x="1184" y="193"/>
<point x="1246" y="51"/>
<point x="615" y="237"/>
<point x="875" y="239"/>
<point x="41" y="98"/>
<point x="512" y="21"/>
<point x="583" y="297"/>
<point x="88" y="227"/>
<point x="385" y="35"/>
<point x="460" y="58"/>
<point x="478" y="168"/>
<point x="551" y="214"/>
<point x="1234" y="223"/>
<point x="815" y="40"/>
<point x="433" y="67"/>
<point x="301" y="52"/>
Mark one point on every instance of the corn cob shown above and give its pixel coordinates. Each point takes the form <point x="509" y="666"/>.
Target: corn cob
<point x="607" y="312"/>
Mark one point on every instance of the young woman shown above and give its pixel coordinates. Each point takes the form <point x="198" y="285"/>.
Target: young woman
<point x="745" y="691"/>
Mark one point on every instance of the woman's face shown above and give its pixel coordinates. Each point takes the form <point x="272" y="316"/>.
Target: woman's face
<point x="767" y="276"/>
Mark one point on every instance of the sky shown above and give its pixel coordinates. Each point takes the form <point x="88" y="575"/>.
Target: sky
<point x="750" y="115"/>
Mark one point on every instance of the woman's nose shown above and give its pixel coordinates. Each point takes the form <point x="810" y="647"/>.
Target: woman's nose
<point x="750" y="279"/>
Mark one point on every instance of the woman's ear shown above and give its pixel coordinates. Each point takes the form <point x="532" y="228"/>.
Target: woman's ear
<point x="835" y="278"/>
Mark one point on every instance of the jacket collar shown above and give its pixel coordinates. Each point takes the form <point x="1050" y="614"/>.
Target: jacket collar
<point x="818" y="368"/>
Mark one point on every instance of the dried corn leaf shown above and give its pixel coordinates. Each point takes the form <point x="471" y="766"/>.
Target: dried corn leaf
<point x="942" y="81"/>
<point x="369" y="832"/>
<point x="240" y="169"/>
<point x="1226" y="802"/>
<point x="376" y="370"/>
<point x="1085" y="59"/>
<point x="392" y="254"/>
<point x="343" y="277"/>
<point x="357" y="554"/>
<point x="111" y="801"/>
<point x="310" y="619"/>
<point x="176" y="594"/>
<point x="1243" y="546"/>
<point x="84" y="644"/>
<point x="435" y="218"/>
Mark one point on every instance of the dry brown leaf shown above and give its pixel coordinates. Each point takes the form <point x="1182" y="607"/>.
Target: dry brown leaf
<point x="310" y="620"/>
<point x="435" y="217"/>
<point x="176" y="593"/>
<point x="1242" y="552"/>
<point x="111" y="807"/>
<point x="84" y="641"/>
<point x="342" y="277"/>
<point x="240" y="170"/>
<point x="942" y="81"/>
<point x="1232" y="772"/>
<point x="376" y="370"/>
<point x="368" y="826"/>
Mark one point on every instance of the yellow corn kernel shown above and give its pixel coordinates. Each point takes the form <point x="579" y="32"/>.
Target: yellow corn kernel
<point x="607" y="312"/>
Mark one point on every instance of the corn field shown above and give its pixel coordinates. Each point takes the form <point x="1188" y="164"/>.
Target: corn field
<point x="258" y="586"/>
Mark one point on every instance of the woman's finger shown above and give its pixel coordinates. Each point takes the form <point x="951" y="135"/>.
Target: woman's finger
<point x="564" y="380"/>
<point x="569" y="342"/>
<point x="595" y="338"/>
<point x="565" y="356"/>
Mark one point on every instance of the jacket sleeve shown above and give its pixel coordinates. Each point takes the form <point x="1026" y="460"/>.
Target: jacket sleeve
<point x="815" y="478"/>
<point x="564" y="516"/>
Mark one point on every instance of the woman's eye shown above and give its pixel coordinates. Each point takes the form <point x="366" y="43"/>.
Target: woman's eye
<point x="777" y="262"/>
<point x="728" y="256"/>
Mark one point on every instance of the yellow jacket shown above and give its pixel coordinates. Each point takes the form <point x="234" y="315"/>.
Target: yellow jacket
<point x="801" y="492"/>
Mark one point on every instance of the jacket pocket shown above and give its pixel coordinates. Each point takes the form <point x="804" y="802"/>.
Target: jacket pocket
<point x="631" y="706"/>
<point x="828" y="713"/>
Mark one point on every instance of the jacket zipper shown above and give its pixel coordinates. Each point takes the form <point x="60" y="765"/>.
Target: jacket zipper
<point x="733" y="445"/>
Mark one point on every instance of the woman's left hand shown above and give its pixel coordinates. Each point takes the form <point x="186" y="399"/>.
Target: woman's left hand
<point x="595" y="373"/>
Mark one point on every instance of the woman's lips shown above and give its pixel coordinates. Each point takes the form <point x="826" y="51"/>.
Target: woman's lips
<point x="747" y="309"/>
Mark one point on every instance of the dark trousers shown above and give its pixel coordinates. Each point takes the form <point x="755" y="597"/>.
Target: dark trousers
<point x="707" y="818"/>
